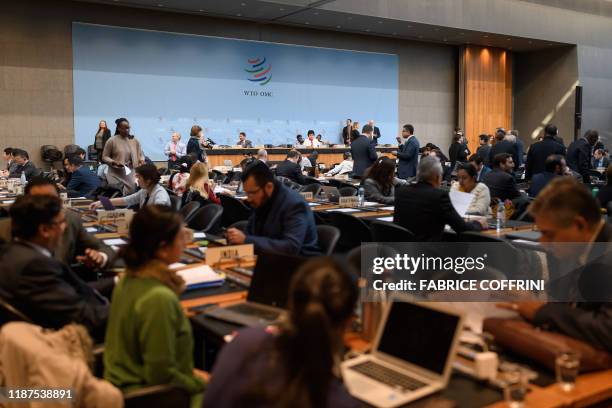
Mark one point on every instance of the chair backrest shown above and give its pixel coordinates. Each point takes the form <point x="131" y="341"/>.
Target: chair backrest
<point x="353" y="231"/>
<point x="347" y="191"/>
<point x="241" y="225"/>
<point x="313" y="188"/>
<point x="163" y="396"/>
<point x="189" y="210"/>
<point x="233" y="210"/>
<point x="175" y="202"/>
<point x="328" y="238"/>
<point x="289" y="183"/>
<point x="383" y="231"/>
<point x="207" y="218"/>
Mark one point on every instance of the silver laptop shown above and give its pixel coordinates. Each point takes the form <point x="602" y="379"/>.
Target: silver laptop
<point x="268" y="293"/>
<point x="411" y="358"/>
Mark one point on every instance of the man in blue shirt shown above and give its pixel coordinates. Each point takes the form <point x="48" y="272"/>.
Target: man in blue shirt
<point x="282" y="221"/>
<point x="83" y="181"/>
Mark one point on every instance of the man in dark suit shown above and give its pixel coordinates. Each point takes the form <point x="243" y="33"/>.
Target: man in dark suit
<point x="83" y="181"/>
<point x="503" y="146"/>
<point x="481" y="169"/>
<point x="243" y="141"/>
<point x="408" y="153"/>
<point x="281" y="222"/>
<point x="579" y="154"/>
<point x="565" y="211"/>
<point x="77" y="245"/>
<point x="42" y="288"/>
<point x="484" y="149"/>
<point x="500" y="180"/>
<point x="290" y="168"/>
<point x="555" y="167"/>
<point x="425" y="209"/>
<point x="363" y="152"/>
<point x="600" y="160"/>
<point x="540" y="151"/>
<point x="346" y="132"/>
<point x="24" y="165"/>
<point x="375" y="131"/>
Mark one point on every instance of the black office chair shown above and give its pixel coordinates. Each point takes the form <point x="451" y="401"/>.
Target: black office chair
<point x="389" y="232"/>
<point x="313" y="188"/>
<point x="353" y="231"/>
<point x="310" y="180"/>
<point x="233" y="210"/>
<point x="9" y="313"/>
<point x="328" y="238"/>
<point x="241" y="225"/>
<point x="338" y="183"/>
<point x="347" y="191"/>
<point x="162" y="396"/>
<point x="175" y="202"/>
<point x="289" y="183"/>
<point x="207" y="218"/>
<point x="189" y="210"/>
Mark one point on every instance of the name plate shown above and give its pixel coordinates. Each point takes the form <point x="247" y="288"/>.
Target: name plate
<point x="348" y="202"/>
<point x="307" y="196"/>
<point x="216" y="254"/>
<point x="3" y="183"/>
<point x="10" y="186"/>
<point x="120" y="218"/>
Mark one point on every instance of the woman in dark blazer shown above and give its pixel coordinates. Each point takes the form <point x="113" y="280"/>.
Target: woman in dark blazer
<point x="102" y="135"/>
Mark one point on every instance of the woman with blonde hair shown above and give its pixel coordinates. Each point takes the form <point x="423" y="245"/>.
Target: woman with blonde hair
<point x="199" y="188"/>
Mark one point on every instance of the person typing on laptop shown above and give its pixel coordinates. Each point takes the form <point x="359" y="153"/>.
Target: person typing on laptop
<point x="296" y="364"/>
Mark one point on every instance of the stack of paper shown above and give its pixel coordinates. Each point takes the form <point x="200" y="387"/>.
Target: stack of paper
<point x="201" y="276"/>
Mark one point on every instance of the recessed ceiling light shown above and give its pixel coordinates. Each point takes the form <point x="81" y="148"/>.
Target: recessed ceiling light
<point x="445" y="40"/>
<point x="201" y="10"/>
<point x="238" y="15"/>
<point x="338" y="27"/>
<point x="307" y="22"/>
<point x="160" y="5"/>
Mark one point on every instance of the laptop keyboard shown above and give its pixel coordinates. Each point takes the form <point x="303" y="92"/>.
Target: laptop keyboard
<point x="387" y="376"/>
<point x="246" y="309"/>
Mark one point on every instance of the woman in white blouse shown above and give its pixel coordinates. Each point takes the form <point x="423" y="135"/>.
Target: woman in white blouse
<point x="467" y="174"/>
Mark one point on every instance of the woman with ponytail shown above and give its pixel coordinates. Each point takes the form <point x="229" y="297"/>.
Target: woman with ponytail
<point x="296" y="365"/>
<point x="148" y="338"/>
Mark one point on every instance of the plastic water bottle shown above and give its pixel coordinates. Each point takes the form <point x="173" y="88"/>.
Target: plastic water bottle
<point x="595" y="191"/>
<point x="24" y="181"/>
<point x="360" y="196"/>
<point x="501" y="216"/>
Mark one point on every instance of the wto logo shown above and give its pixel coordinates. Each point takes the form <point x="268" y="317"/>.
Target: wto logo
<point x="259" y="71"/>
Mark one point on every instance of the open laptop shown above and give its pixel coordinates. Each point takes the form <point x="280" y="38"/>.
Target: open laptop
<point x="411" y="357"/>
<point x="268" y="294"/>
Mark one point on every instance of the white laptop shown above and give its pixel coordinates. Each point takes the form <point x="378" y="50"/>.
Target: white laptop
<point x="411" y="356"/>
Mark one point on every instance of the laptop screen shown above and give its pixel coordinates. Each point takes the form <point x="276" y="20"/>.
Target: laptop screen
<point x="271" y="278"/>
<point x="419" y="335"/>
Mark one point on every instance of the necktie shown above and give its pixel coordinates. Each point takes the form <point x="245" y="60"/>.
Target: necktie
<point x="174" y="155"/>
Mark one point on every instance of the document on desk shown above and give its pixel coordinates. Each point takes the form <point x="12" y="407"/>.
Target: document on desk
<point x="115" y="242"/>
<point x="389" y="208"/>
<point x="371" y="204"/>
<point x="387" y="219"/>
<point x="201" y="276"/>
<point x="461" y="201"/>
<point x="344" y="210"/>
<point x="91" y="229"/>
<point x="313" y="204"/>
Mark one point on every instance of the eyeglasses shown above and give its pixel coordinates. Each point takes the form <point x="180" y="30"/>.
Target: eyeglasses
<point x="252" y="193"/>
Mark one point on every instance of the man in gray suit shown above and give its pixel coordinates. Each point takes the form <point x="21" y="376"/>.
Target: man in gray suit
<point x="408" y="153"/>
<point x="77" y="245"/>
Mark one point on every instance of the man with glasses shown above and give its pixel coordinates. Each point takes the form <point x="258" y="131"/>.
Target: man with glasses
<point x="44" y="289"/>
<point x="282" y="221"/>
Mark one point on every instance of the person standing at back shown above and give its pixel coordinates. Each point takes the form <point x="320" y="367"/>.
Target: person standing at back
<point x="408" y="153"/>
<point x="174" y="150"/>
<point x="195" y="144"/>
<point x="542" y="150"/>
<point x="579" y="154"/>
<point x="346" y="132"/>
<point x="484" y="149"/>
<point x="363" y="151"/>
<point x="503" y="146"/>
<point x="296" y="364"/>
<point x="123" y="154"/>
<point x="458" y="152"/>
<point x="102" y="136"/>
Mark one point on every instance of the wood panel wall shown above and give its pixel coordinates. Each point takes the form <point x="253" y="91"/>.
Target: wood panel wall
<point x="485" y="82"/>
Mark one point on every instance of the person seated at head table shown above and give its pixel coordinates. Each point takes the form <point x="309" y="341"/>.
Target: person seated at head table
<point x="311" y="141"/>
<point x="41" y="287"/>
<point x="150" y="193"/>
<point x="296" y="361"/>
<point x="555" y="167"/>
<point x="77" y="245"/>
<point x="24" y="165"/>
<point x="281" y="221"/>
<point x="290" y="168"/>
<point x="566" y="212"/>
<point x="466" y="176"/>
<point x="199" y="188"/>
<point x="379" y="181"/>
<point x="319" y="138"/>
<point x="605" y="192"/>
<point x="345" y="167"/>
<point x="299" y="141"/>
<point x="83" y="181"/>
<point x="177" y="181"/>
<point x="424" y="208"/>
<point x="148" y="338"/>
<point x="500" y="180"/>
<point x="243" y="141"/>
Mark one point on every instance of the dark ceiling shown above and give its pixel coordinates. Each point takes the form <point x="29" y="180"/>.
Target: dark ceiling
<point x="308" y="14"/>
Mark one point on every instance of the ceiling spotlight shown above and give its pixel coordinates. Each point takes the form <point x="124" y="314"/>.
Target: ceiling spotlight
<point x="338" y="27"/>
<point x="307" y="23"/>
<point x="367" y="30"/>
<point x="160" y="5"/>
